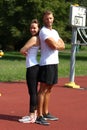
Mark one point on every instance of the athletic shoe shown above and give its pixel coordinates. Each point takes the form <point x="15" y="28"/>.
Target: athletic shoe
<point x="24" y="118"/>
<point x="35" y="116"/>
<point x="40" y="120"/>
<point x="50" y="117"/>
<point x="27" y="119"/>
<point x="32" y="120"/>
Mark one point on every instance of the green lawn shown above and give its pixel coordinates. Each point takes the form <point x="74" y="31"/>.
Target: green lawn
<point x="80" y="63"/>
<point x="12" y="64"/>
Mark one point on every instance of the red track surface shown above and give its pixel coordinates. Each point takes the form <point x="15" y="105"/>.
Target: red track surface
<point x="70" y="105"/>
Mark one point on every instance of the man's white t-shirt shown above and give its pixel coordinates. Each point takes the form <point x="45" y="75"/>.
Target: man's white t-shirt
<point x="48" y="55"/>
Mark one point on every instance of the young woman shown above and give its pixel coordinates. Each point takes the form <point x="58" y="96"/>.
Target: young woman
<point x="30" y="50"/>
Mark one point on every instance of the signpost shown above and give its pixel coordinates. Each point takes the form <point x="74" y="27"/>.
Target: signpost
<point x="77" y="19"/>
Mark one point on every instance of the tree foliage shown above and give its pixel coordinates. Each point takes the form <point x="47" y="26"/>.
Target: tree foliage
<point x="16" y="15"/>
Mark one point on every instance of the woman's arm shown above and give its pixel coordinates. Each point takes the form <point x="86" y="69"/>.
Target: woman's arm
<point x="31" y="42"/>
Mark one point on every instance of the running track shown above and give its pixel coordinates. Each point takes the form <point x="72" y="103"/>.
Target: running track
<point x="70" y="105"/>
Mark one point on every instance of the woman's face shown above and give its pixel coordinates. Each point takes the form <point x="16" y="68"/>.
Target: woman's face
<point x="34" y="29"/>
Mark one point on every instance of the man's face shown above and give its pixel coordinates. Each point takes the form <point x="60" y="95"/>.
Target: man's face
<point x="48" y="20"/>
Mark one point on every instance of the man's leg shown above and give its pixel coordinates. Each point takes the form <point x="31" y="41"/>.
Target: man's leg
<point x="46" y="114"/>
<point x="41" y="98"/>
<point x="40" y="119"/>
<point x="46" y="99"/>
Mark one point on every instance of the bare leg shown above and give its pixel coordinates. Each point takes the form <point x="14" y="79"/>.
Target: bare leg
<point x="41" y="97"/>
<point x="46" y="100"/>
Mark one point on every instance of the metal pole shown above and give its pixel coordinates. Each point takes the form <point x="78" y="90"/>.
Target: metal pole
<point x="73" y="54"/>
<point x="72" y="84"/>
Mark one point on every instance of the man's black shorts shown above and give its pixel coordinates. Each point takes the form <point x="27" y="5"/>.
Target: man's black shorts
<point x="48" y="74"/>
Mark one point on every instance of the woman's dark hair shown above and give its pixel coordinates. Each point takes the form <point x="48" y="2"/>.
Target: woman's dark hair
<point x="35" y="21"/>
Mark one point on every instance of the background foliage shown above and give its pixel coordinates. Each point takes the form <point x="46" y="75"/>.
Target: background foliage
<point x="16" y="15"/>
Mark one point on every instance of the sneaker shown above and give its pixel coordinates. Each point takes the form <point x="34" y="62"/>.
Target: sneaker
<point x="50" y="117"/>
<point x="24" y="118"/>
<point x="27" y="119"/>
<point x="40" y="120"/>
<point x="35" y="116"/>
<point x="32" y="120"/>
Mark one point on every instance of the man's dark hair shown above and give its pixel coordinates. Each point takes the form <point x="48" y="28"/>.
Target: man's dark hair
<point x="47" y="12"/>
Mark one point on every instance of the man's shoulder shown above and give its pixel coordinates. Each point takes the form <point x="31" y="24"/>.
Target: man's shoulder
<point x="43" y="28"/>
<point x="54" y="30"/>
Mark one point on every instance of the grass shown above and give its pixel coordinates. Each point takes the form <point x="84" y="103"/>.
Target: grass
<point x="12" y="64"/>
<point x="12" y="67"/>
<point x="80" y="62"/>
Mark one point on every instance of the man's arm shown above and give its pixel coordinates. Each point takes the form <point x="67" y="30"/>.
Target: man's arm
<point x="51" y="43"/>
<point x="59" y="45"/>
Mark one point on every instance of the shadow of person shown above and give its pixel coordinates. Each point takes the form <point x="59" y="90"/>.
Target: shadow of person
<point x="9" y="117"/>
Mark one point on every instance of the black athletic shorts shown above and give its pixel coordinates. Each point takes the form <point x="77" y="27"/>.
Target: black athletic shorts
<point x="48" y="74"/>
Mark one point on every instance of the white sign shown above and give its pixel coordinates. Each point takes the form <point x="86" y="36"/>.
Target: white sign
<point x="77" y="16"/>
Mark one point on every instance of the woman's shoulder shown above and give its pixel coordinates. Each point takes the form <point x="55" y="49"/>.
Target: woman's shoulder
<point x="36" y="40"/>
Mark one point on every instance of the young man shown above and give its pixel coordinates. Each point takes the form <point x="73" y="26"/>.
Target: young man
<point x="48" y="74"/>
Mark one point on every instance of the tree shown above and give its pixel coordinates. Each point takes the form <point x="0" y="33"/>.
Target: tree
<point x="16" y="15"/>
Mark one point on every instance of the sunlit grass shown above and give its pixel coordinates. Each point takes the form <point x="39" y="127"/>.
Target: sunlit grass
<point x="13" y="68"/>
